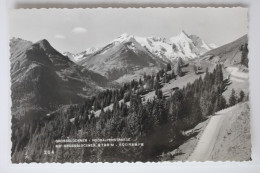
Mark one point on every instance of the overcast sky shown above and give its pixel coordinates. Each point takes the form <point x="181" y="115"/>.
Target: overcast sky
<point x="76" y="30"/>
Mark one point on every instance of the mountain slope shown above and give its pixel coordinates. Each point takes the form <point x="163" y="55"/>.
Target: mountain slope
<point x="228" y="54"/>
<point x="226" y="137"/>
<point x="127" y="56"/>
<point x="82" y="55"/>
<point x="183" y="45"/>
<point x="121" y="56"/>
<point x="43" y="79"/>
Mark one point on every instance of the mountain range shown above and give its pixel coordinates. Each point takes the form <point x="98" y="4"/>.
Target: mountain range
<point x="43" y="79"/>
<point x="182" y="45"/>
<point x="129" y="54"/>
<point x="48" y="88"/>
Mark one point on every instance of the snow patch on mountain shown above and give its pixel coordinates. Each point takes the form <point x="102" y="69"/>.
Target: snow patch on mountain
<point x="82" y="55"/>
<point x="167" y="49"/>
<point x="213" y="46"/>
<point x="122" y="38"/>
<point x="69" y="55"/>
<point x="181" y="46"/>
<point x="91" y="50"/>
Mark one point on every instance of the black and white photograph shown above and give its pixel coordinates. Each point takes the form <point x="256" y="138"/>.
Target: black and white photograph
<point x="129" y="85"/>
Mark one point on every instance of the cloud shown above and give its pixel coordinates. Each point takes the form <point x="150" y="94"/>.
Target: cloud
<point x="59" y="36"/>
<point x="79" y="30"/>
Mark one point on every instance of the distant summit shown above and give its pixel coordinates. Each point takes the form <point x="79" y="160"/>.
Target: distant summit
<point x="168" y="49"/>
<point x="128" y="54"/>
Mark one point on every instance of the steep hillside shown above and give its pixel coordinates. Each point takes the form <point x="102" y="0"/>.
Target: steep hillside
<point x="225" y="136"/>
<point x="234" y="138"/>
<point x="153" y="124"/>
<point x="229" y="54"/>
<point x="122" y="56"/>
<point x="43" y="79"/>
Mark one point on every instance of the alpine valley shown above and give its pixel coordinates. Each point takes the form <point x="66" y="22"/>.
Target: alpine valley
<point x="159" y="92"/>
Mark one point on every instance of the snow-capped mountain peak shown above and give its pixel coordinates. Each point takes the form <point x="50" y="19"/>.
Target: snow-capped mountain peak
<point x="213" y="46"/>
<point x="167" y="49"/>
<point x="125" y="36"/>
<point x="180" y="38"/>
<point x="91" y="50"/>
<point x="79" y="56"/>
<point x="69" y="55"/>
<point x="128" y="54"/>
<point x="183" y="45"/>
<point x="122" y="38"/>
<point x="183" y="35"/>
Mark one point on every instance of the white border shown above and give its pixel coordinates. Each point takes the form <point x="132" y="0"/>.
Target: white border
<point x="213" y="167"/>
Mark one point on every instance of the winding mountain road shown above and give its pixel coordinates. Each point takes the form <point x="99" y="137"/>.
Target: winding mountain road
<point x="204" y="148"/>
<point x="237" y="75"/>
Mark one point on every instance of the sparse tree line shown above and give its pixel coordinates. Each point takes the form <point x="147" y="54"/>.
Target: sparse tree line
<point x="145" y="84"/>
<point x="158" y="123"/>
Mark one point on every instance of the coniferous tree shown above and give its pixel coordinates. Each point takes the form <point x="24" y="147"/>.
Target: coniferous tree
<point x="178" y="69"/>
<point x="173" y="74"/>
<point x="140" y="81"/>
<point x="195" y="68"/>
<point x="168" y="67"/>
<point x="156" y="84"/>
<point x="207" y="71"/>
<point x="145" y="77"/>
<point x="244" y="57"/>
<point x="159" y="94"/>
<point x="233" y="98"/>
<point x="222" y="102"/>
<point x="241" y="96"/>
<point x="165" y="78"/>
